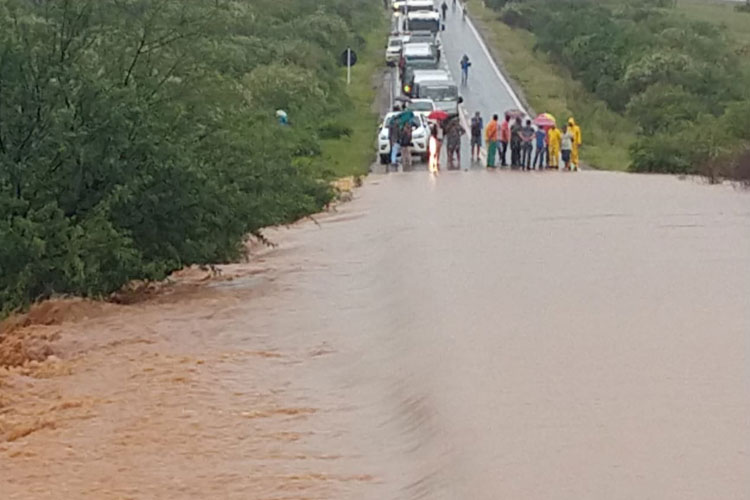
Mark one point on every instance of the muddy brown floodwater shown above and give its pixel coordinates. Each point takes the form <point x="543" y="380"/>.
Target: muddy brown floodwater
<point x="476" y="336"/>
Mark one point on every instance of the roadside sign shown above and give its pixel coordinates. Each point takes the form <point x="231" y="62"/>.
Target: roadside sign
<point x="348" y="58"/>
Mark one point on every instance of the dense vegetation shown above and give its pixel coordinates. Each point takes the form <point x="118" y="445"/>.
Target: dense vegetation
<point x="139" y="136"/>
<point x="679" y="80"/>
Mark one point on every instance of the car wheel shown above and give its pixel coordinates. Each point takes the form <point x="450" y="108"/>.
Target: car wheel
<point x="425" y="158"/>
<point x="385" y="159"/>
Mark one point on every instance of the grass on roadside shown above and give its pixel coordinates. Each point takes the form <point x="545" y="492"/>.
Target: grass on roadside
<point x="353" y="154"/>
<point x="550" y="88"/>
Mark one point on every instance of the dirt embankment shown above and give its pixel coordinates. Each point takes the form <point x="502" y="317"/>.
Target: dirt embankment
<point x="29" y="337"/>
<point x="31" y="354"/>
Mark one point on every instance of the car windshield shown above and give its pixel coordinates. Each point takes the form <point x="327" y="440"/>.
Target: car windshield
<point x="418" y="58"/>
<point x="421" y="106"/>
<point x="440" y="92"/>
<point x="424" y="25"/>
<point x="394" y="43"/>
<point x="422" y="64"/>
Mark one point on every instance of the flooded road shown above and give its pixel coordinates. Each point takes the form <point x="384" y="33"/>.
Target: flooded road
<point x="477" y="336"/>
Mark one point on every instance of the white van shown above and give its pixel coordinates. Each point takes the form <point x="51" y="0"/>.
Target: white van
<point x="417" y="56"/>
<point x="420" y="6"/>
<point x="420" y="55"/>
<point x="423" y="21"/>
<point x="439" y="87"/>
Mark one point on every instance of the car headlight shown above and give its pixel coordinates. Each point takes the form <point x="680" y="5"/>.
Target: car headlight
<point x="384" y="137"/>
<point x="419" y="135"/>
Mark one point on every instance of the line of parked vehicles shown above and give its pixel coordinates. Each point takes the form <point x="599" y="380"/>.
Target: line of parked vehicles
<point x="414" y="49"/>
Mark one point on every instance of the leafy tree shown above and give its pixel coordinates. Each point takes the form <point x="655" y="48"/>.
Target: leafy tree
<point x="669" y="74"/>
<point x="138" y="136"/>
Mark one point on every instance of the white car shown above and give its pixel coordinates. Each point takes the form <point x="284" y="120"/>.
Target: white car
<point x="393" y="49"/>
<point x="422" y="106"/>
<point x="419" y="137"/>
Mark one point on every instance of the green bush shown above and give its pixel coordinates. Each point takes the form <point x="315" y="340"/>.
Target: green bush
<point x="139" y="136"/>
<point x="515" y="16"/>
<point x="666" y="72"/>
<point x="331" y="129"/>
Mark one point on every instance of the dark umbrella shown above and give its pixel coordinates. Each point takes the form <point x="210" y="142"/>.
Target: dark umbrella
<point x="405" y="117"/>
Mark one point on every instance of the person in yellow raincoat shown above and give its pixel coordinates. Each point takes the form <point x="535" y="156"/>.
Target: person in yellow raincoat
<point x="576" y="131"/>
<point x="554" y="139"/>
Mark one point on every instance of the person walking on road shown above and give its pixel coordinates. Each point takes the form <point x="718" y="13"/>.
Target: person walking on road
<point x="453" y="141"/>
<point x="504" y="141"/>
<point x="444" y="8"/>
<point x="527" y="146"/>
<point x="566" y="145"/>
<point x="477" y="126"/>
<point x="465" y="63"/>
<point x="515" y="144"/>
<point x="576" y="131"/>
<point x="541" y="149"/>
<point x="490" y="135"/>
<point x="554" y="137"/>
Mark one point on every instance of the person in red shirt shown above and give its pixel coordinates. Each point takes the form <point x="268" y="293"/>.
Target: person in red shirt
<point x="504" y="140"/>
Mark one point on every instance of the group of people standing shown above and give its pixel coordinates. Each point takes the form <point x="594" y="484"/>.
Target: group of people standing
<point x="530" y="147"/>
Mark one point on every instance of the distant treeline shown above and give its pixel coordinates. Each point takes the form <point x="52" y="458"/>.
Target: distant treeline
<point x="679" y="80"/>
<point x="139" y="136"/>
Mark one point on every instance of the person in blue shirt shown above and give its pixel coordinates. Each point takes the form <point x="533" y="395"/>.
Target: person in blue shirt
<point x="541" y="148"/>
<point x="465" y="63"/>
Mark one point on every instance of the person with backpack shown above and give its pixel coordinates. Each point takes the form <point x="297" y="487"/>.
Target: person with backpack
<point x="465" y="63"/>
<point x="477" y="126"/>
